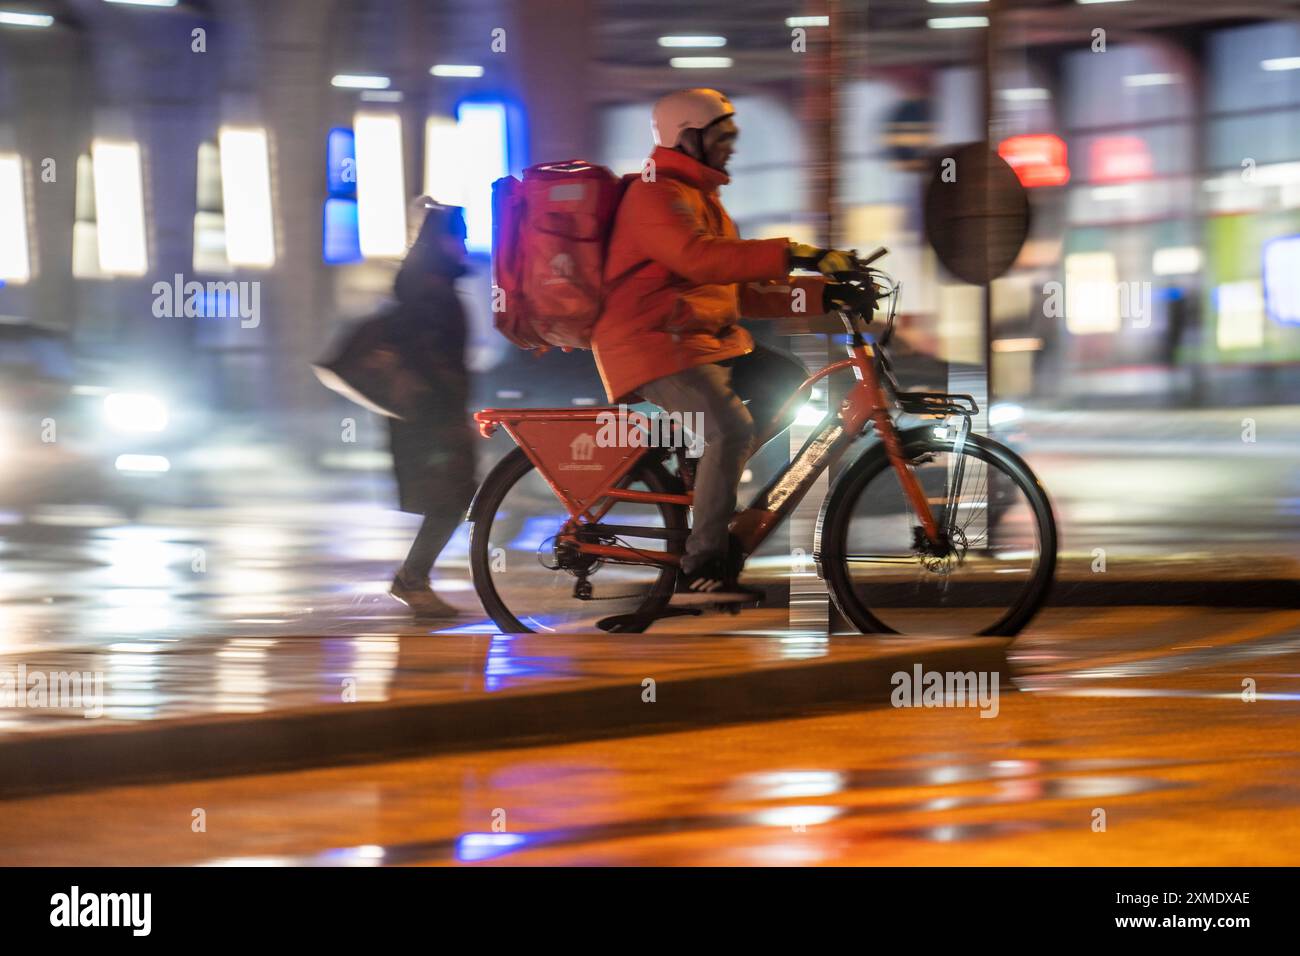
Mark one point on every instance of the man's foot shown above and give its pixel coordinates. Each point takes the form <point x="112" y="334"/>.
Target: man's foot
<point x="420" y="598"/>
<point x="713" y="582"/>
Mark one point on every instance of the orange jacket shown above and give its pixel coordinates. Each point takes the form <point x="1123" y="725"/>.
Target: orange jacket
<point x="678" y="278"/>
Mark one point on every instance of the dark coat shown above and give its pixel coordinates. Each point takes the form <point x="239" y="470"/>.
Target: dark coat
<point x="433" y="452"/>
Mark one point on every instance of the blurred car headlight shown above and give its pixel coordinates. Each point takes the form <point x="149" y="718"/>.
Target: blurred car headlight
<point x="135" y="412"/>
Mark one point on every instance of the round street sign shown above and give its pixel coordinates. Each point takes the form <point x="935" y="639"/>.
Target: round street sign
<point x="976" y="213"/>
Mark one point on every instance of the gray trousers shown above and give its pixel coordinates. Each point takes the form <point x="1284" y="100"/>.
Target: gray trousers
<point x="765" y="378"/>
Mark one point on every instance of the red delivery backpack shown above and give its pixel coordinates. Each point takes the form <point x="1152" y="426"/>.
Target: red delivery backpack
<point x="548" y="252"/>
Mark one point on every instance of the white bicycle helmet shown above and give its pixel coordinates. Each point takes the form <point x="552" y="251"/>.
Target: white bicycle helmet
<point x="687" y="109"/>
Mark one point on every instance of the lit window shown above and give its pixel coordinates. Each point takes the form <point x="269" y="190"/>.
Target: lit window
<point x="1240" y="306"/>
<point x="246" y="197"/>
<point x="381" y="186"/>
<point x="483" y="157"/>
<point x="1091" y="293"/>
<point x="119" y="207"/>
<point x="15" y="259"/>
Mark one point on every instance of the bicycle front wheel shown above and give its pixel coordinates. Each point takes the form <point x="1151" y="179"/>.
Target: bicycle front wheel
<point x="528" y="585"/>
<point x="989" y="576"/>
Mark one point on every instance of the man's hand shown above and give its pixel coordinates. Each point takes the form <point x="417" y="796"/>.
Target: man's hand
<point x="859" y="299"/>
<point x="825" y="261"/>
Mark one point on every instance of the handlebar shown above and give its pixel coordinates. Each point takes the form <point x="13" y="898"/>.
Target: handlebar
<point x="882" y="286"/>
<point x="881" y="251"/>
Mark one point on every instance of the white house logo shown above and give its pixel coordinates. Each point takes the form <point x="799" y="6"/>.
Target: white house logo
<point x="582" y="447"/>
<point x="581" y="450"/>
<point x="561" y="269"/>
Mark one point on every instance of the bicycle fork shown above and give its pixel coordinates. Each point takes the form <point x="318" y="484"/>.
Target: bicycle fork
<point x="863" y="359"/>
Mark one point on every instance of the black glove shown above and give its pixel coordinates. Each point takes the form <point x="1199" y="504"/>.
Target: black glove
<point x="850" y="296"/>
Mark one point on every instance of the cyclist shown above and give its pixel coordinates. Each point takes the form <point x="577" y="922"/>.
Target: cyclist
<point x="678" y="279"/>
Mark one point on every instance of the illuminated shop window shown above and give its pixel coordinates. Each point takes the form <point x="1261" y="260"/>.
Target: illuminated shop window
<point x="1240" y="309"/>
<point x="246" y="196"/>
<point x="1091" y="293"/>
<point x="118" y="173"/>
<point x="381" y="185"/>
<point x="15" y="257"/>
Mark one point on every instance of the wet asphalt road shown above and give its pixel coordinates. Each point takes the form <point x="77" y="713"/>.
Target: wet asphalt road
<point x="1131" y="719"/>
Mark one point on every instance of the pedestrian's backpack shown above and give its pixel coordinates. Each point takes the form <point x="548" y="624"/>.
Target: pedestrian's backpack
<point x="549" y="236"/>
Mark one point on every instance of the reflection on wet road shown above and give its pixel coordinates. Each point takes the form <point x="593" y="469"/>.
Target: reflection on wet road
<point x="1107" y="750"/>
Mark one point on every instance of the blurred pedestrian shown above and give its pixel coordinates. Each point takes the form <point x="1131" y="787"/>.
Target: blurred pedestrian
<point x="433" y="448"/>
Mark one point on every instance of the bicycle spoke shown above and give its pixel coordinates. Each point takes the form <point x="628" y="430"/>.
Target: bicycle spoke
<point x="972" y="579"/>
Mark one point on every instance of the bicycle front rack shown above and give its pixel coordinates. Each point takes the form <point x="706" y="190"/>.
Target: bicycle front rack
<point x="937" y="404"/>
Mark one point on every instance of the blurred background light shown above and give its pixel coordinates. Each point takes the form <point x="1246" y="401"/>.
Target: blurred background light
<point x="15" y="260"/>
<point x="119" y="208"/>
<point x="1281" y="63"/>
<point x="1091" y="293"/>
<point x="1150" y="79"/>
<point x="246" y="195"/>
<point x="381" y="185"/>
<point x="340" y="240"/>
<point x="700" y="62"/>
<point x="147" y="464"/>
<point x="135" y="412"/>
<point x="341" y="163"/>
<point x="1038" y="160"/>
<point x="9" y="18"/>
<point x="956" y="23"/>
<point x="453" y="69"/>
<point x="1027" y="344"/>
<point x="1176" y="260"/>
<point x="1282" y="279"/>
<point x="471" y="847"/>
<point x="145" y="3"/>
<point x="1118" y="158"/>
<point x="807" y="21"/>
<point x="1240" y="308"/>
<point x="1024" y="94"/>
<point x="353" y="81"/>
<point x="692" y="41"/>
<point x="484" y="159"/>
<point x="444" y="165"/>
<point x="1003" y="413"/>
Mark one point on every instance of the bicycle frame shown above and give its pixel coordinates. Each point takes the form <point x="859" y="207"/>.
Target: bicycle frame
<point x="589" y="484"/>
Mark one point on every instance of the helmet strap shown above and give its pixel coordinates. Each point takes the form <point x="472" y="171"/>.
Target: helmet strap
<point x="691" y="142"/>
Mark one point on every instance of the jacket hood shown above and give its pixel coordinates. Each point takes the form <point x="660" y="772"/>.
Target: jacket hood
<point x="681" y="166"/>
<point x="425" y="273"/>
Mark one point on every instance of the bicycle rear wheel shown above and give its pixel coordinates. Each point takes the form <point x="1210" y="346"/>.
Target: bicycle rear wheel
<point x="990" y="577"/>
<point x="526" y="585"/>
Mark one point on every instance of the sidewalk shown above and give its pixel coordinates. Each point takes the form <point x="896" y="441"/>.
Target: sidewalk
<point x="214" y="707"/>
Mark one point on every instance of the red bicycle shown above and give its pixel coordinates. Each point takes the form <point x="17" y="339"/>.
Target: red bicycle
<point x="931" y="529"/>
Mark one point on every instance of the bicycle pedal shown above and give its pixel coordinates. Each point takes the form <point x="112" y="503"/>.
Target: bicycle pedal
<point x="624" y="623"/>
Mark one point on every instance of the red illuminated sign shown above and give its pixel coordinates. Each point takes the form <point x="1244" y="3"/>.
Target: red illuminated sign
<point x="1119" y="158"/>
<point x="1039" y="160"/>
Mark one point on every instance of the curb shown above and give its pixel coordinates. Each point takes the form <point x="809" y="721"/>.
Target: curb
<point x="219" y="746"/>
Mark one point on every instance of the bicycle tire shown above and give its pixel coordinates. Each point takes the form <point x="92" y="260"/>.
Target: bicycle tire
<point x="832" y="528"/>
<point x="508" y="472"/>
